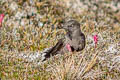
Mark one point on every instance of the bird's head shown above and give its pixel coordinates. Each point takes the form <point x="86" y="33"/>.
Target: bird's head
<point x="71" y="25"/>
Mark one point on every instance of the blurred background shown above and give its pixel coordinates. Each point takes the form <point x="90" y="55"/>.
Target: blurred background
<point x="33" y="25"/>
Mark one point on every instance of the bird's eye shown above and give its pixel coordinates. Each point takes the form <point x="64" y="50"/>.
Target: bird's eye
<point x="70" y="25"/>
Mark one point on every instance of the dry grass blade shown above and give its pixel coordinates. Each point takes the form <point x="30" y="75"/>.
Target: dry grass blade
<point x="90" y="64"/>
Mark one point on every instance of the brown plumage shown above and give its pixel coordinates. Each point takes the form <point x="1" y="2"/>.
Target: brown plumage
<point x="74" y="37"/>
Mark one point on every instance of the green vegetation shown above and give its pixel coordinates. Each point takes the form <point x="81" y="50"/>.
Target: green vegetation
<point x="37" y="27"/>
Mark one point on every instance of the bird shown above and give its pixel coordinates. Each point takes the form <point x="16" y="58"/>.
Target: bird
<point x="74" y="40"/>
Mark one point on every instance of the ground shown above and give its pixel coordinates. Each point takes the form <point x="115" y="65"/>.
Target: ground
<point x="30" y="26"/>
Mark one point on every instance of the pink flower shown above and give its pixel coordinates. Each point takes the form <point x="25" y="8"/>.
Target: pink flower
<point x="1" y="17"/>
<point x="68" y="47"/>
<point x="95" y="37"/>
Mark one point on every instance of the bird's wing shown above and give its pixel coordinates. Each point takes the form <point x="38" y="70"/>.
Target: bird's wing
<point x="53" y="51"/>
